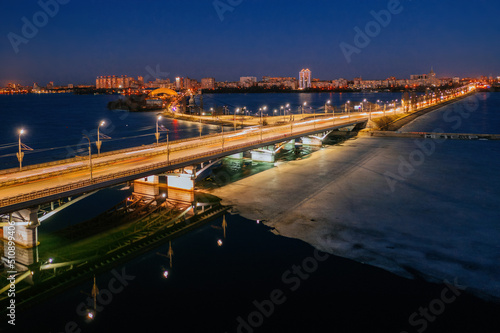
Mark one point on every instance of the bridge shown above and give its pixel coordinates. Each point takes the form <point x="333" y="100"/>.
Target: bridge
<point x="33" y="186"/>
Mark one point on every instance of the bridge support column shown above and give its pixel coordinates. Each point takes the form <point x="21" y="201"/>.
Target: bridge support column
<point x="290" y="145"/>
<point x="180" y="187"/>
<point x="237" y="156"/>
<point x="263" y="155"/>
<point x="311" y="141"/>
<point x="24" y="229"/>
<point x="148" y="186"/>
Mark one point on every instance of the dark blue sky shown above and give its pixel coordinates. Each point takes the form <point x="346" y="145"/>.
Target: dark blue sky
<point x="258" y="37"/>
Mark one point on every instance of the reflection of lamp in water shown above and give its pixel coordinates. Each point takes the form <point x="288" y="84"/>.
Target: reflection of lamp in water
<point x="95" y="292"/>
<point x="170" y="254"/>
<point x="224" y="225"/>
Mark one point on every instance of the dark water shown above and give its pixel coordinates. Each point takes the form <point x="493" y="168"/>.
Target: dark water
<point x="210" y="287"/>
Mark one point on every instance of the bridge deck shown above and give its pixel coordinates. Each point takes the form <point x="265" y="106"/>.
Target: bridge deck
<point x="32" y="187"/>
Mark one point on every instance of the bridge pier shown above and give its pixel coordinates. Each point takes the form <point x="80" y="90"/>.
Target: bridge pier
<point x="289" y="145"/>
<point x="148" y="186"/>
<point x="264" y="154"/>
<point x="22" y="227"/>
<point x="311" y="141"/>
<point x="181" y="181"/>
<point x="237" y="156"/>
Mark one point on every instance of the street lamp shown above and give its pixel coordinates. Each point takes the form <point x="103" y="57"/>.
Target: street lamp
<point x="261" y="122"/>
<point x="99" y="142"/>
<point x="157" y="134"/>
<point x="326" y="106"/>
<point x="168" y="148"/>
<point x="302" y="106"/>
<point x="90" y="156"/>
<point x="20" y="154"/>
<point x="234" y="119"/>
<point x="222" y="126"/>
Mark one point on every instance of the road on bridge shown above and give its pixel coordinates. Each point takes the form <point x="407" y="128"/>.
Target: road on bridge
<point x="29" y="181"/>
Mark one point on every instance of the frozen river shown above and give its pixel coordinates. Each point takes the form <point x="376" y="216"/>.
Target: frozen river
<point x="418" y="208"/>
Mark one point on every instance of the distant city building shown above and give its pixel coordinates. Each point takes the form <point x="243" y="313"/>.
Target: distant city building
<point x="305" y="79"/>
<point x="278" y="82"/>
<point x="248" y="81"/>
<point x="208" y="83"/>
<point x="191" y="84"/>
<point x="113" y="82"/>
<point x="179" y="83"/>
<point x="424" y="79"/>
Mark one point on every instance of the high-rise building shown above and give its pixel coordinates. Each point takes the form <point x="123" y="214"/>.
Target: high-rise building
<point x="248" y="81"/>
<point x="208" y="83"/>
<point x="113" y="82"/>
<point x="305" y="79"/>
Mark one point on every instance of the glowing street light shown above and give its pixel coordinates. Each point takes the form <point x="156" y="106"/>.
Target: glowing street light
<point x="90" y="156"/>
<point x="157" y="134"/>
<point x="20" y="154"/>
<point x="261" y="122"/>
<point x="326" y="105"/>
<point x="168" y="148"/>
<point x="234" y="118"/>
<point x="99" y="142"/>
<point x="222" y="126"/>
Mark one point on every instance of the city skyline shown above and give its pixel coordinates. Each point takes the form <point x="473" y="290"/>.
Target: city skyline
<point x="69" y="42"/>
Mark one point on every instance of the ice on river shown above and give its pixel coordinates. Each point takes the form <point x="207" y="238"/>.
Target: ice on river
<point x="413" y="207"/>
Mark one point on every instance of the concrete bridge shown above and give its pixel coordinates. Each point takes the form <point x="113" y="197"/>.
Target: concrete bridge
<point x="41" y="184"/>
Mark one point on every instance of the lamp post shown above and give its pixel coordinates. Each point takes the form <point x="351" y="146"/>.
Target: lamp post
<point x="234" y="119"/>
<point x="168" y="149"/>
<point x="222" y="126"/>
<point x="99" y="142"/>
<point x="302" y="107"/>
<point x="261" y="122"/>
<point x="20" y="154"/>
<point x="157" y="134"/>
<point x="90" y="156"/>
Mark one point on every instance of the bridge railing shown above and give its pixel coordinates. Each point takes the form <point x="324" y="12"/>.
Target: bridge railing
<point x="136" y="171"/>
<point x="104" y="154"/>
<point x="156" y="150"/>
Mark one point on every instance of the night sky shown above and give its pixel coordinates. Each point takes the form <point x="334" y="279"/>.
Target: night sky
<point x="85" y="39"/>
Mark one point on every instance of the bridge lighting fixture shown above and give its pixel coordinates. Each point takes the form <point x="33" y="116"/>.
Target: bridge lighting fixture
<point x="99" y="142"/>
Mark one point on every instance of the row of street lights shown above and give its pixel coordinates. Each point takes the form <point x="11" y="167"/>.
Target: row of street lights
<point x="21" y="146"/>
<point x="283" y="109"/>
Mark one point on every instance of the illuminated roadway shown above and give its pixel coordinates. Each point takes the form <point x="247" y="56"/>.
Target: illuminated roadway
<point x="31" y="187"/>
